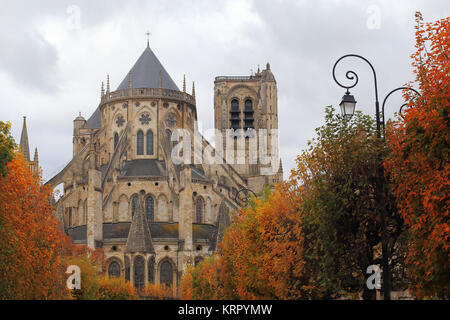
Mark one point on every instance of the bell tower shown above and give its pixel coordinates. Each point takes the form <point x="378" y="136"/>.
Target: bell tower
<point x="246" y="113"/>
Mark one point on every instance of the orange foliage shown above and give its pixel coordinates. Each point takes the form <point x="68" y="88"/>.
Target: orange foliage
<point x="157" y="292"/>
<point x="113" y="288"/>
<point x="419" y="163"/>
<point x="31" y="241"/>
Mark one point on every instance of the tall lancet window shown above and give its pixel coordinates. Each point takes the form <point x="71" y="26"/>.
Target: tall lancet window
<point x="235" y="120"/>
<point x="134" y="201"/>
<point x="199" y="210"/>
<point x="116" y="140"/>
<point x="150" y="209"/>
<point x="140" y="143"/>
<point x="150" y="142"/>
<point x="248" y="115"/>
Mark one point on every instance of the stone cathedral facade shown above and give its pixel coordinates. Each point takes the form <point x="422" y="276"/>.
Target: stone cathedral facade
<point x="123" y="193"/>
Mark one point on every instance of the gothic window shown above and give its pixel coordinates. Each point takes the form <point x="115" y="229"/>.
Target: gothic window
<point x="120" y="121"/>
<point x="150" y="142"/>
<point x="171" y="121"/>
<point x="248" y="115"/>
<point x="140" y="143"/>
<point x="139" y="272"/>
<point x="114" y="269"/>
<point x="150" y="209"/>
<point x="116" y="140"/>
<point x="134" y="200"/>
<point x="168" y="136"/>
<point x="166" y="273"/>
<point x="235" y="121"/>
<point x="127" y="269"/>
<point x="145" y="118"/>
<point x="199" y="210"/>
<point x="151" y="270"/>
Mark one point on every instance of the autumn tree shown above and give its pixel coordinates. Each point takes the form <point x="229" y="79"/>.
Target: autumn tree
<point x="7" y="146"/>
<point x="419" y="162"/>
<point x="31" y="242"/>
<point x="341" y="223"/>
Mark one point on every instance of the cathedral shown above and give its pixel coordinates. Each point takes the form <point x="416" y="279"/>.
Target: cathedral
<point x="153" y="216"/>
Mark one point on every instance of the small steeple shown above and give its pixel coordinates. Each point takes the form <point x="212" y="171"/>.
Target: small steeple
<point x="139" y="237"/>
<point x="160" y="80"/>
<point x="107" y="83"/>
<point x="102" y="93"/>
<point x="184" y="83"/>
<point x="193" y="89"/>
<point x="268" y="66"/>
<point x="36" y="158"/>
<point x="24" y="146"/>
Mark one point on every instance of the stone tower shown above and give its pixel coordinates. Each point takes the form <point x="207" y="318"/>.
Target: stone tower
<point x="246" y="113"/>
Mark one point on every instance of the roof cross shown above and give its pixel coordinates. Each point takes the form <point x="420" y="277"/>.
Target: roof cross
<point x="148" y="38"/>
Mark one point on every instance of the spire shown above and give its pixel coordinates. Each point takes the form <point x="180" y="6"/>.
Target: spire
<point x="184" y="83"/>
<point x="160" y="79"/>
<point x="139" y="237"/>
<point x="24" y="146"/>
<point x="193" y="89"/>
<point x="102" y="93"/>
<point x="107" y="83"/>
<point x="36" y="158"/>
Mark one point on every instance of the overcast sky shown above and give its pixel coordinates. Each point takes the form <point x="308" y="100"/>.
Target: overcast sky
<point x="55" y="54"/>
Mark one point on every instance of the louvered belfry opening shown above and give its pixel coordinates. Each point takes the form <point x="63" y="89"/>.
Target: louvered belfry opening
<point x="235" y="118"/>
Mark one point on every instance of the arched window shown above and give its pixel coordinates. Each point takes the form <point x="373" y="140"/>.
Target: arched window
<point x="134" y="200"/>
<point x="235" y="121"/>
<point x="169" y="136"/>
<point x="199" y="210"/>
<point x="151" y="270"/>
<point x="140" y="143"/>
<point x="139" y="272"/>
<point x="116" y="140"/>
<point x="166" y="273"/>
<point x="248" y="115"/>
<point x="150" y="142"/>
<point x="127" y="269"/>
<point x="150" y="209"/>
<point x="114" y="269"/>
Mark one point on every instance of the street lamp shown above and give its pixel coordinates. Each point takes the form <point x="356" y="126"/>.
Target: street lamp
<point x="348" y="108"/>
<point x="347" y="105"/>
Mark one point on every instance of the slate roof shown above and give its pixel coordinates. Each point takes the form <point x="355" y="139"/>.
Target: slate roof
<point x="198" y="174"/>
<point x="139" y="237"/>
<point x="158" y="230"/>
<point x="94" y="122"/>
<point x="144" y="168"/>
<point x="145" y="73"/>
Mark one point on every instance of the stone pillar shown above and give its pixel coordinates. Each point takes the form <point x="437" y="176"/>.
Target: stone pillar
<point x="94" y="204"/>
<point x="185" y="219"/>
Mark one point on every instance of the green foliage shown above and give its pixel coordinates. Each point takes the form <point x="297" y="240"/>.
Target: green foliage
<point x="339" y="171"/>
<point x="7" y="146"/>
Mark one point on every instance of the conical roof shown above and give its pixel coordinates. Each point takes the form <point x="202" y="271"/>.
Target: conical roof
<point x="139" y="237"/>
<point x="145" y="73"/>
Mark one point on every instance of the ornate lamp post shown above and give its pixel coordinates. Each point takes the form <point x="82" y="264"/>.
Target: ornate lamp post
<point x="347" y="105"/>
